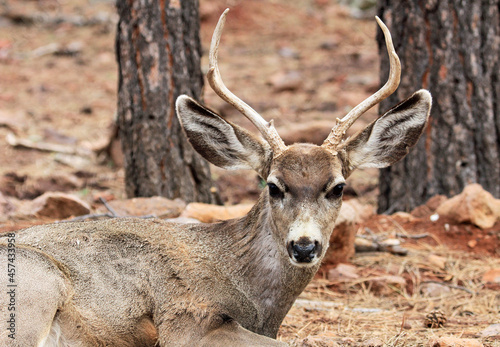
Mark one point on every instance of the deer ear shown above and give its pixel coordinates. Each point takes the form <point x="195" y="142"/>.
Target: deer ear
<point x="222" y="143"/>
<point x="389" y="138"/>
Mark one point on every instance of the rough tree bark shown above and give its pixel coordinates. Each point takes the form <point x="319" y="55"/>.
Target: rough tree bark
<point x="452" y="48"/>
<point x="158" y="52"/>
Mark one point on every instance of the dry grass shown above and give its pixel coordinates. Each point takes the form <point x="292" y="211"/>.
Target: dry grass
<point x="363" y="312"/>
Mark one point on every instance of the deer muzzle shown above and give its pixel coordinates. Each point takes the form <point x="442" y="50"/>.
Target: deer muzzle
<point x="304" y="250"/>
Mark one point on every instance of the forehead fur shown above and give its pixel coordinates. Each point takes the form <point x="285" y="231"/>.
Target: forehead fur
<point x="307" y="161"/>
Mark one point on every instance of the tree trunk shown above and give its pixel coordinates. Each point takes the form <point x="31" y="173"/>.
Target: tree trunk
<point x="452" y="48"/>
<point x="158" y="52"/>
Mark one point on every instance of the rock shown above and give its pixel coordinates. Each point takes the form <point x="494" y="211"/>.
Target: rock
<point x="434" y="290"/>
<point x="454" y="342"/>
<point x="15" y="121"/>
<point x="407" y="325"/>
<point x="207" y="213"/>
<point x="389" y="279"/>
<point x="429" y="208"/>
<point x="57" y="205"/>
<point x="384" y="285"/>
<point x="474" y="205"/>
<point x="421" y="211"/>
<point x="343" y="272"/>
<point x="159" y="206"/>
<point x="286" y="81"/>
<point x="343" y="235"/>
<point x="289" y="53"/>
<point x="363" y="212"/>
<point x="438" y="261"/>
<point x="492" y="331"/>
<point x="26" y="187"/>
<point x="6" y="207"/>
<point x="434" y="202"/>
<point x="492" y="276"/>
<point x="403" y="217"/>
<point x="472" y="243"/>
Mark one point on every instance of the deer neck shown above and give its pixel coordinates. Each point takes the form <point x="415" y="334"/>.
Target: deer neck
<point x="260" y="266"/>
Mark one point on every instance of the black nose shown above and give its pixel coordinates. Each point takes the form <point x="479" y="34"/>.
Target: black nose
<point x="304" y="250"/>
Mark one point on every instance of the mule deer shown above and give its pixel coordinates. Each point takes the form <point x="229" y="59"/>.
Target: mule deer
<point x="134" y="282"/>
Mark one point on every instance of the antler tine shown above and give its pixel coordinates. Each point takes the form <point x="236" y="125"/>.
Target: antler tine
<point x="336" y="135"/>
<point x="215" y="80"/>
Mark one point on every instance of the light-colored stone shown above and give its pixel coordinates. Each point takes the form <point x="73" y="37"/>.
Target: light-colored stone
<point x="6" y="207"/>
<point x="474" y="205"/>
<point x="434" y="290"/>
<point x="437" y="261"/>
<point x="57" y="205"/>
<point x="207" y="213"/>
<point x="472" y="243"/>
<point x="159" y="206"/>
<point x="434" y="202"/>
<point x="343" y="272"/>
<point x="388" y="279"/>
<point x="404" y="217"/>
<point x="454" y="342"/>
<point x="491" y="331"/>
<point x="492" y="276"/>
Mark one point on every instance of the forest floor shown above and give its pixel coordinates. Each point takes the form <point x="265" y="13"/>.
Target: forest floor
<point x="301" y="63"/>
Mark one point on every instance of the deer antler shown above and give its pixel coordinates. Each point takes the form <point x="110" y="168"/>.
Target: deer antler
<point x="333" y="141"/>
<point x="215" y="80"/>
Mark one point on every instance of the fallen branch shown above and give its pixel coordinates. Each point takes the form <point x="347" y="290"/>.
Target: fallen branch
<point x="16" y="142"/>
<point x="413" y="237"/>
<point x="71" y="49"/>
<point x="373" y="243"/>
<point x="42" y="18"/>
<point x="108" y="206"/>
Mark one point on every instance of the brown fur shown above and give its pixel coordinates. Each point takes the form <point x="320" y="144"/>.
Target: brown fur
<point x="134" y="282"/>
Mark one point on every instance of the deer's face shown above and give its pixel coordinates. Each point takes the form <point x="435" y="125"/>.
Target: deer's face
<point x="305" y="185"/>
<point x="304" y="182"/>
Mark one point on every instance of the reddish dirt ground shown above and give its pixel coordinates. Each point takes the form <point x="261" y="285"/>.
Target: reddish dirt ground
<point x="52" y="96"/>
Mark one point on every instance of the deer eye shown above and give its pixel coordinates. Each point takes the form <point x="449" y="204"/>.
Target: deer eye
<point x="274" y="191"/>
<point x="335" y="192"/>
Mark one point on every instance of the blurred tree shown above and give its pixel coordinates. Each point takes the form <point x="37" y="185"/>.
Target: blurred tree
<point x="158" y="51"/>
<point x="452" y="48"/>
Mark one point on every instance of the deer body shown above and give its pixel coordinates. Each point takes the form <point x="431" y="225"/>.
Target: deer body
<point x="136" y="273"/>
<point x="131" y="282"/>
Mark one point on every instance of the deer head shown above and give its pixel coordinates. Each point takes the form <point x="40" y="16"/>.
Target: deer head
<point x="304" y="181"/>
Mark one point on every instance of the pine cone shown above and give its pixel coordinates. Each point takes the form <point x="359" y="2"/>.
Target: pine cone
<point x="435" y="319"/>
